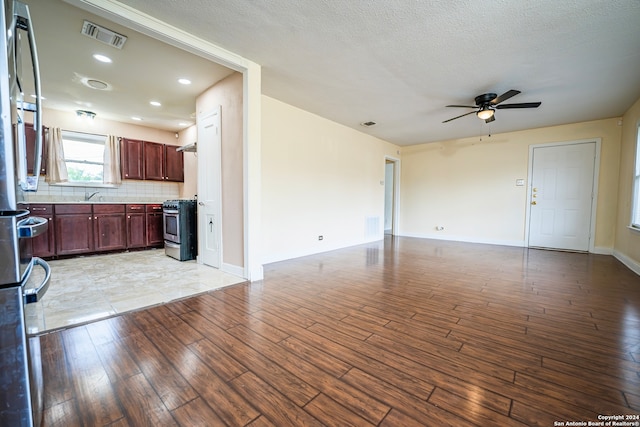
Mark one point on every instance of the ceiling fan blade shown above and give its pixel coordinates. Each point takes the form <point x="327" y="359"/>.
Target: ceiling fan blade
<point x="490" y="119"/>
<point x="520" y="105"/>
<point x="463" y="106"/>
<point x="462" y="115"/>
<point x="508" y="94"/>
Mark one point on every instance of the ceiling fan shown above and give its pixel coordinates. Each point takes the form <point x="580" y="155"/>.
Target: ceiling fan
<point x="487" y="103"/>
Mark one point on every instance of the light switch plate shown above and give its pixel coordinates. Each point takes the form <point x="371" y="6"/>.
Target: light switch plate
<point x="519" y="182"/>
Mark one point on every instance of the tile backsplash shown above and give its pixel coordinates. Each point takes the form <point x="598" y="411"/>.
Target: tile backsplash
<point x="129" y="191"/>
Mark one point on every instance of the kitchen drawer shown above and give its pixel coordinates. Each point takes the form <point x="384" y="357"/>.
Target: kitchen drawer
<point x="108" y="209"/>
<point x="154" y="208"/>
<point x="75" y="208"/>
<point x="135" y="209"/>
<point x="40" y="209"/>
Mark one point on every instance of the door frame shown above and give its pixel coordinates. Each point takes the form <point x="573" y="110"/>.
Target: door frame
<point x="594" y="198"/>
<point x="395" y="208"/>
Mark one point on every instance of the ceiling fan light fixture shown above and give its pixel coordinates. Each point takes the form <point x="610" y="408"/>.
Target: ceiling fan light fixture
<point x="485" y="113"/>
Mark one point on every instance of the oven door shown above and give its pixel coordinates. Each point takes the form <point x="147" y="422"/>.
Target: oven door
<point x="171" y="225"/>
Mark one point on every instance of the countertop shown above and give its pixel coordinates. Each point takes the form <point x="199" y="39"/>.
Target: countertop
<point x="92" y="202"/>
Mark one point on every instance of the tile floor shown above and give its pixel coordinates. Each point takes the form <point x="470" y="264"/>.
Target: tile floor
<point x="85" y="289"/>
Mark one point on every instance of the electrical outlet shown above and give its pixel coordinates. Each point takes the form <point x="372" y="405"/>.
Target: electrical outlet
<point x="320" y="237"/>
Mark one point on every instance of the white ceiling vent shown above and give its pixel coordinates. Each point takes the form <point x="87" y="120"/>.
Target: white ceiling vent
<point x="103" y="35"/>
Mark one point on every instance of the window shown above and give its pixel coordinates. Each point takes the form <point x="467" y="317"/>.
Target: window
<point x="635" y="214"/>
<point x="84" y="156"/>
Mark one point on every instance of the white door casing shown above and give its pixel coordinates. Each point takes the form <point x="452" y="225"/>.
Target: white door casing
<point x="562" y="196"/>
<point x="209" y="189"/>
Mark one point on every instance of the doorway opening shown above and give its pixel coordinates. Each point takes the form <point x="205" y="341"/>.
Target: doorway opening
<point x="391" y="185"/>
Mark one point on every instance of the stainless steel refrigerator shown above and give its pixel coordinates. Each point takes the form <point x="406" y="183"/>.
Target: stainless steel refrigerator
<point x="20" y="365"/>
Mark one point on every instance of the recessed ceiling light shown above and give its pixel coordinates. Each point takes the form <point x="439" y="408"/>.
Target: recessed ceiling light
<point x="102" y="58"/>
<point x="155" y="103"/>
<point x="184" y="81"/>
<point x="97" y="84"/>
<point x="183" y="124"/>
<point x="137" y="119"/>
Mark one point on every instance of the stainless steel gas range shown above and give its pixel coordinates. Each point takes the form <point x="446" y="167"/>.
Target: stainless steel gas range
<point x="179" y="226"/>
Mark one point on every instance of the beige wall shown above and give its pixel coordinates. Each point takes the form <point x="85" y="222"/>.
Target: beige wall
<point x="468" y="186"/>
<point x="68" y="121"/>
<point x="228" y="94"/>
<point x="627" y="247"/>
<point x="190" y="187"/>
<point x="318" y="178"/>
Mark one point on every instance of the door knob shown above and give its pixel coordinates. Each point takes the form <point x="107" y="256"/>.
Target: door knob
<point x="201" y="203"/>
<point x="534" y="203"/>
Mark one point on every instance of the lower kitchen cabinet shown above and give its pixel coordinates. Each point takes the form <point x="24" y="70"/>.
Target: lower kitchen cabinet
<point x="83" y="228"/>
<point x="74" y="229"/>
<point x="155" y="233"/>
<point x="109" y="227"/>
<point x="44" y="245"/>
<point x="136" y="226"/>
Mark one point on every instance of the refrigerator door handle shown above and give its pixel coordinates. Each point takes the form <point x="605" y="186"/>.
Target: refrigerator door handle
<point x="23" y="21"/>
<point x="35" y="294"/>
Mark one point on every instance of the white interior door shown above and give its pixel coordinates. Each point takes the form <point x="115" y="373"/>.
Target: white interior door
<point x="561" y="199"/>
<point x="209" y="189"/>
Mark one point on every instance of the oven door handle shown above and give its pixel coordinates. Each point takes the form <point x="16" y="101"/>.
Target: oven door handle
<point x="35" y="295"/>
<point x="32" y="227"/>
<point x="171" y="211"/>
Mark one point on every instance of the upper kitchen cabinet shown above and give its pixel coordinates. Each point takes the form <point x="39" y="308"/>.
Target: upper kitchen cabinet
<point x="174" y="164"/>
<point x="154" y="161"/>
<point x="132" y="158"/>
<point x="30" y="136"/>
<point x="151" y="161"/>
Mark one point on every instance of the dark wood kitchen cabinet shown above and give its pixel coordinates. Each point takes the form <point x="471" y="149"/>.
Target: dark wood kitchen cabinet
<point x="74" y="229"/>
<point x="30" y="137"/>
<point x="44" y="245"/>
<point x="136" y="226"/>
<point x="151" y="161"/>
<point x="155" y="232"/>
<point x="154" y="161"/>
<point x="174" y="164"/>
<point x="109" y="227"/>
<point x="132" y="158"/>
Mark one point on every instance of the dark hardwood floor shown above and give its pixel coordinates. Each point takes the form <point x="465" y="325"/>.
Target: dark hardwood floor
<point x="410" y="333"/>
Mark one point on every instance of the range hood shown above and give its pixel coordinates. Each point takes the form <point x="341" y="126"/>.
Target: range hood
<point x="189" y="148"/>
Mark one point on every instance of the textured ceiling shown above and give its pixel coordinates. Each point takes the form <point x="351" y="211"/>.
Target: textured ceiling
<point x="399" y="62"/>
<point x="145" y="69"/>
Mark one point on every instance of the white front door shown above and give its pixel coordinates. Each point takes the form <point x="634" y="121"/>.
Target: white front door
<point x="209" y="189"/>
<point x="562" y="183"/>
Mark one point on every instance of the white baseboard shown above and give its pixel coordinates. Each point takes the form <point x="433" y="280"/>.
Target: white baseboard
<point x="632" y="264"/>
<point x="518" y="243"/>
<point x="233" y="269"/>
<point x="602" y="251"/>
<point x="317" y="249"/>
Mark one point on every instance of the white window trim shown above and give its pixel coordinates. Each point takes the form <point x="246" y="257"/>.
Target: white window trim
<point x="635" y="196"/>
<point x="84" y="137"/>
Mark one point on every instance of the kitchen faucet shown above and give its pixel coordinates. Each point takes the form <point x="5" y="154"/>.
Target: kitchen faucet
<point x="88" y="196"/>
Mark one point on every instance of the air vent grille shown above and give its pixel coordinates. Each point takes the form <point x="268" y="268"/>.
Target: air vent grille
<point x="103" y="35"/>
